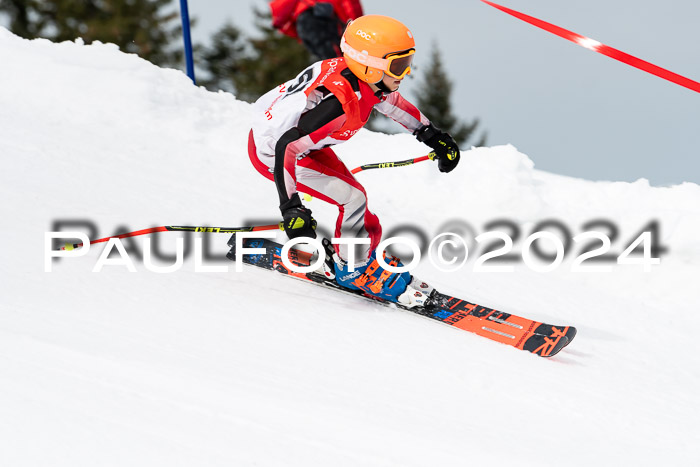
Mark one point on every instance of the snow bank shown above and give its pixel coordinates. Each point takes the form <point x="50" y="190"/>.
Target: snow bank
<point x="248" y="368"/>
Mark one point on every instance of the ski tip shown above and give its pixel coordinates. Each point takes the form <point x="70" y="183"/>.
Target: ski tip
<point x="569" y="334"/>
<point x="563" y="342"/>
<point x="545" y="346"/>
<point x="554" y="332"/>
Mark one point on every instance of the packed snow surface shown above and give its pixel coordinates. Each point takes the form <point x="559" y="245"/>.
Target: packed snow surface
<point x="119" y="368"/>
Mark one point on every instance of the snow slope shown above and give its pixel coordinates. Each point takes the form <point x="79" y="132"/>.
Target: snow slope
<point x="191" y="368"/>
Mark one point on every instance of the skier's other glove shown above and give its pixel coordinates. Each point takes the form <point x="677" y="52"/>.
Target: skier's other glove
<point x="445" y="149"/>
<point x="297" y="219"/>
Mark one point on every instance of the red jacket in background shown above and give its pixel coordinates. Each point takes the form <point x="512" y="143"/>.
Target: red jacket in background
<point x="285" y="12"/>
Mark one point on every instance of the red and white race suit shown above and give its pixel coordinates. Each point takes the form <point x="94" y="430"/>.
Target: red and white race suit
<point x="294" y="126"/>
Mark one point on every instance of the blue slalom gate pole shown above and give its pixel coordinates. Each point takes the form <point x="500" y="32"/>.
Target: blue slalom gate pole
<point x="188" y="39"/>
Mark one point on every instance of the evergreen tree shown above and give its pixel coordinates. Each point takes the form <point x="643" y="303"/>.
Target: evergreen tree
<point x="222" y="61"/>
<point x="18" y="12"/>
<point x="269" y="61"/>
<point x="143" y="27"/>
<point x="435" y="90"/>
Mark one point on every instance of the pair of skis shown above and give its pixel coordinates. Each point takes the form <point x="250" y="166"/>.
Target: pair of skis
<point x="542" y="339"/>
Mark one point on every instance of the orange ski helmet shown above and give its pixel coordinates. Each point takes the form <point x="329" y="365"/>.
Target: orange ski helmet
<point x="373" y="45"/>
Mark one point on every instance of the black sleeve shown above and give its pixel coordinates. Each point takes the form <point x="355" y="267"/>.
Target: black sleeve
<point x="325" y="112"/>
<point x="280" y="150"/>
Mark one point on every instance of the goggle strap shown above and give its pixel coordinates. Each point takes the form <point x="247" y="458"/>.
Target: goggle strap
<point x="363" y="57"/>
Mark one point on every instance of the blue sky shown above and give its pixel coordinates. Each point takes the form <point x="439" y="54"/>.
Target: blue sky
<point x="572" y="111"/>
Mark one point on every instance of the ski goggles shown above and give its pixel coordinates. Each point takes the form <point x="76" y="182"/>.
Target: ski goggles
<point x="399" y="64"/>
<point x="396" y="64"/>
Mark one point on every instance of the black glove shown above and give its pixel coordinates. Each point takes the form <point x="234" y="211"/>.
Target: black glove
<point x="324" y="10"/>
<point x="444" y="147"/>
<point x="297" y="219"/>
<point x="320" y="30"/>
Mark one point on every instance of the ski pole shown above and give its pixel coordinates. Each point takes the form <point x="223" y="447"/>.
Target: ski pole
<point x="179" y="228"/>
<point x="386" y="165"/>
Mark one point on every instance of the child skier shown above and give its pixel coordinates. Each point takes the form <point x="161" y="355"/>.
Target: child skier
<point x="295" y="124"/>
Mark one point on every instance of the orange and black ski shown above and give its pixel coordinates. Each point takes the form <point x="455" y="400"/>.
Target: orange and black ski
<point x="526" y="334"/>
<point x="542" y="339"/>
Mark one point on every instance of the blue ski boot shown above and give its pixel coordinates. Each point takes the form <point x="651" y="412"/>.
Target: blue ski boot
<point x="372" y="279"/>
